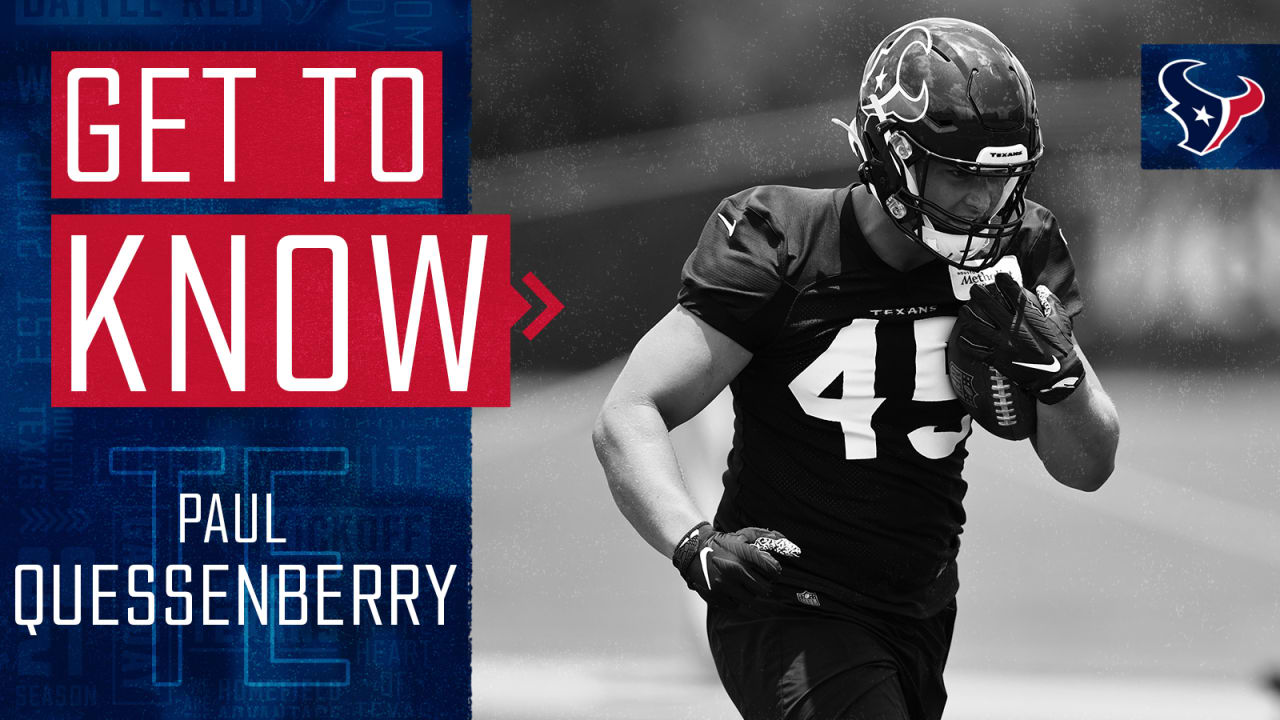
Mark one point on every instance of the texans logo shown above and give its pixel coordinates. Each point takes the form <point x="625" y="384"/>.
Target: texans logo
<point x="897" y="99"/>
<point x="1206" y="119"/>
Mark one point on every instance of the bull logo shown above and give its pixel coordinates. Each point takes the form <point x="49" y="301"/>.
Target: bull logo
<point x="897" y="100"/>
<point x="1206" y="119"/>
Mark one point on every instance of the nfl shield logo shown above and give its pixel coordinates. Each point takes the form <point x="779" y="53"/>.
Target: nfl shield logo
<point x="808" y="598"/>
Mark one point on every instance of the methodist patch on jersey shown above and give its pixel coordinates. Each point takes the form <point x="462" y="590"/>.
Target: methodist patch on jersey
<point x="1204" y="106"/>
<point x="962" y="281"/>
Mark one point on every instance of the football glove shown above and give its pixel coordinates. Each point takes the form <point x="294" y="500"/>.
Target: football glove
<point x="1026" y="337"/>
<point x="731" y="569"/>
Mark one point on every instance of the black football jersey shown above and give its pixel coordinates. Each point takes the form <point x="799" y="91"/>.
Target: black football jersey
<point x="848" y="438"/>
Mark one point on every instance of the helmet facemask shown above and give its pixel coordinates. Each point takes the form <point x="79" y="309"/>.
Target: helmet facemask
<point x="900" y="186"/>
<point x="970" y="243"/>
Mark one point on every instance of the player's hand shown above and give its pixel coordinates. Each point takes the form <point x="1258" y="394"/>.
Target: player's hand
<point x="1027" y="338"/>
<point x="731" y="569"/>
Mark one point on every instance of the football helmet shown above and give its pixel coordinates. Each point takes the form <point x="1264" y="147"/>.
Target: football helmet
<point x="947" y="95"/>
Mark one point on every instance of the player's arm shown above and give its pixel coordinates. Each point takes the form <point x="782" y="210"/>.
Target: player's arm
<point x="1077" y="438"/>
<point x="1028" y="338"/>
<point x="676" y="369"/>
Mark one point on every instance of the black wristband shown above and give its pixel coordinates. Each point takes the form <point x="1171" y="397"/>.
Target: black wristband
<point x="688" y="545"/>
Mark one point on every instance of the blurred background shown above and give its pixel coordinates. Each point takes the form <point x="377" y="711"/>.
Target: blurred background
<point x="610" y="130"/>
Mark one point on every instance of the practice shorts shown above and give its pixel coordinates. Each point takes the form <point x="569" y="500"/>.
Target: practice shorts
<point x="780" y="659"/>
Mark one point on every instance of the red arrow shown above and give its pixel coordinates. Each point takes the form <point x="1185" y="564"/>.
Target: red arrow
<point x="554" y="306"/>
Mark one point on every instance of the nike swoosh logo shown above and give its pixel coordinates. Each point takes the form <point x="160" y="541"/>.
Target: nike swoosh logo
<point x="1064" y="383"/>
<point x="1047" y="367"/>
<point x="706" y="551"/>
<point x="727" y="225"/>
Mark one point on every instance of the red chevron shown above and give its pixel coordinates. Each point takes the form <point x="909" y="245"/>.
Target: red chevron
<point x="554" y="306"/>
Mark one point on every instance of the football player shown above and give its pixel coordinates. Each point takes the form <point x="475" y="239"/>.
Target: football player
<point x="830" y="570"/>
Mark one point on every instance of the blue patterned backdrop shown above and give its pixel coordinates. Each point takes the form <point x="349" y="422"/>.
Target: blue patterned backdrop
<point x="100" y="486"/>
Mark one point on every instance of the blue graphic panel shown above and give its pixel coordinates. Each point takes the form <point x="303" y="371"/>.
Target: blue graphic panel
<point x="366" y="489"/>
<point x="1210" y="106"/>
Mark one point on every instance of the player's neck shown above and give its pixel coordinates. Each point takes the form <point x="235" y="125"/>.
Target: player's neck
<point x="886" y="240"/>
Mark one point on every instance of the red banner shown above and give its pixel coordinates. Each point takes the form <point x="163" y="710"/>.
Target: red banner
<point x="282" y="310"/>
<point x="247" y="124"/>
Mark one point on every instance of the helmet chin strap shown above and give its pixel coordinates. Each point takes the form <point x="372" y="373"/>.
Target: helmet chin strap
<point x="952" y="246"/>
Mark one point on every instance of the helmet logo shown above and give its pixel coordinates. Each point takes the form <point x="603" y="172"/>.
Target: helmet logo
<point x="897" y="101"/>
<point x="1003" y="155"/>
<point x="1206" y="119"/>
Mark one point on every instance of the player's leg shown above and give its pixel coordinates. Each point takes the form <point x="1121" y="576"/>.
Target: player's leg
<point x="801" y="667"/>
<point x="921" y="648"/>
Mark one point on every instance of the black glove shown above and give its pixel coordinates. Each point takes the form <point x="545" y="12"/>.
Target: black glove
<point x="730" y="569"/>
<point x="1028" y="339"/>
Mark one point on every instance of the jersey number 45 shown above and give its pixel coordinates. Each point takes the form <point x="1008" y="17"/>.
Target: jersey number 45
<point x="927" y="395"/>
